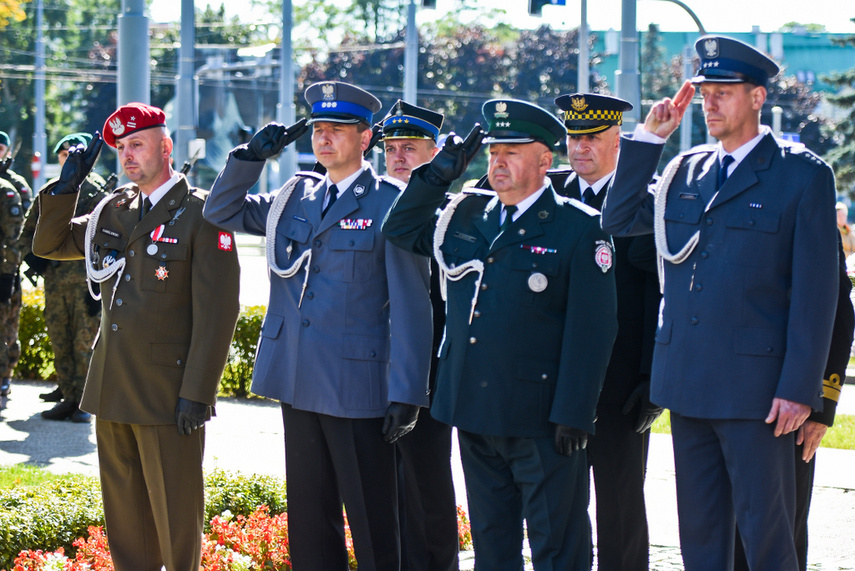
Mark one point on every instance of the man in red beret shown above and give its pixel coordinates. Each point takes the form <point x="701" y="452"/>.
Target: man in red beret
<point x="170" y="302"/>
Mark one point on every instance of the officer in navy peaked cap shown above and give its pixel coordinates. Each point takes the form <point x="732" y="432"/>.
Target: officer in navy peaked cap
<point x="745" y="231"/>
<point x="524" y="260"/>
<point x="345" y="345"/>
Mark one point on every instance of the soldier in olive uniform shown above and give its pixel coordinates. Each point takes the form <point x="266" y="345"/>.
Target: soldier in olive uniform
<point x="72" y="315"/>
<point x="530" y="322"/>
<point x="169" y="306"/>
<point x="10" y="310"/>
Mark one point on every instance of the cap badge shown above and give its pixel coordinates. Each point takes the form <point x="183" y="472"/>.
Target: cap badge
<point x="329" y="92"/>
<point x="711" y="48"/>
<point x="117" y="126"/>
<point x="501" y="110"/>
<point x="578" y="104"/>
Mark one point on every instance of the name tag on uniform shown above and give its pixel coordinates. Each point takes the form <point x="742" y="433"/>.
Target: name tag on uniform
<point x="689" y="195"/>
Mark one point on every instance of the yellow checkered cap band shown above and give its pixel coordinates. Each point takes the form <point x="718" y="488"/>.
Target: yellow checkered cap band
<point x="595" y="115"/>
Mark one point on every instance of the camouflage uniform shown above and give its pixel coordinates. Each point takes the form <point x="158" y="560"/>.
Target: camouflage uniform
<point x="10" y="314"/>
<point x="71" y="315"/>
<point x="11" y="216"/>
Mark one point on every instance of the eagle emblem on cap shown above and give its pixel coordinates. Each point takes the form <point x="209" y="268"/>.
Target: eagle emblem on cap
<point x="328" y="90"/>
<point x="711" y="48"/>
<point x="578" y="103"/>
<point x="501" y="109"/>
<point x="117" y="126"/>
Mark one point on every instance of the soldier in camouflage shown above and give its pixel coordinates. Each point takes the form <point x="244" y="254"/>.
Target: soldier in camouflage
<point x="10" y="310"/>
<point x="71" y="314"/>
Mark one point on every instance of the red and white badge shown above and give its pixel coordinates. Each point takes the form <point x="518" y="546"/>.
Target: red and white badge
<point x="604" y="255"/>
<point x="161" y="273"/>
<point x="225" y="242"/>
<point x="157" y="236"/>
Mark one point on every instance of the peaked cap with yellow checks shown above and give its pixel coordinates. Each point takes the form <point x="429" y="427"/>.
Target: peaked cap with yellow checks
<point x="586" y="113"/>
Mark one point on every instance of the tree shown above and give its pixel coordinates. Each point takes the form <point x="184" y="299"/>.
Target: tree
<point x="842" y="158"/>
<point x="10" y="11"/>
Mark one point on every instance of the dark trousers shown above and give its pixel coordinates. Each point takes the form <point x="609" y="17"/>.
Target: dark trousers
<point x="330" y="461"/>
<point x="618" y="458"/>
<point x="428" y="508"/>
<point x="511" y="479"/>
<point x="804" y="490"/>
<point x="729" y="471"/>
<point x="151" y="482"/>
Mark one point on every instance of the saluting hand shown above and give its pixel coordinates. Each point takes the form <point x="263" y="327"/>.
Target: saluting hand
<point x="451" y="161"/>
<point x="78" y="165"/>
<point x="270" y="141"/>
<point x="665" y="115"/>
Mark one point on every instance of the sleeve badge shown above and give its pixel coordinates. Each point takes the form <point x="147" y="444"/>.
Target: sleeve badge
<point x="604" y="255"/>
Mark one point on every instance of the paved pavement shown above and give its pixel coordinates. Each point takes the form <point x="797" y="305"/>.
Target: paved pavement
<point x="247" y="436"/>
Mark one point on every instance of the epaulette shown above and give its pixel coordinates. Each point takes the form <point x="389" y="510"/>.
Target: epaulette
<point x="310" y="174"/>
<point x="590" y="211"/>
<point x="199" y="194"/>
<point x="130" y="187"/>
<point x="801" y="151"/>
<point x="479" y="191"/>
<point x="400" y="185"/>
<point x="696" y="150"/>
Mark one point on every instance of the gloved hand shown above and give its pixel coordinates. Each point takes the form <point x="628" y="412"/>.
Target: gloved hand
<point x="451" y="161"/>
<point x="270" y="141"/>
<point x="36" y="264"/>
<point x="376" y="135"/>
<point x="5" y="163"/>
<point x="7" y="287"/>
<point x="400" y="419"/>
<point x="647" y="411"/>
<point x="190" y="415"/>
<point x="78" y="165"/>
<point x="93" y="306"/>
<point x="568" y="440"/>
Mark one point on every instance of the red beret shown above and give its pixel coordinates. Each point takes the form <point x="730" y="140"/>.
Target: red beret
<point x="131" y="118"/>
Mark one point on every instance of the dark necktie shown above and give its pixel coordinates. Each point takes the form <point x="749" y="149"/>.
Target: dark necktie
<point x="725" y="165"/>
<point x="588" y="196"/>
<point x="333" y="197"/>
<point x="146" y="206"/>
<point x="509" y="217"/>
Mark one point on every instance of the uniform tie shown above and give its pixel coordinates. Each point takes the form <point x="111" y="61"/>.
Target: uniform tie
<point x="588" y="195"/>
<point x="146" y="206"/>
<point x="333" y="197"/>
<point x="726" y="161"/>
<point x="509" y="217"/>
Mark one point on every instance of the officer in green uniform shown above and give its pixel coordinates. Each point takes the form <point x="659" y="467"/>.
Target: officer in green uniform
<point x="10" y="310"/>
<point x="530" y="322"/>
<point x="71" y="314"/>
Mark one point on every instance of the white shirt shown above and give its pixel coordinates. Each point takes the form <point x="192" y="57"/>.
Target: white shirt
<point x="343" y="184"/>
<point x="161" y="191"/>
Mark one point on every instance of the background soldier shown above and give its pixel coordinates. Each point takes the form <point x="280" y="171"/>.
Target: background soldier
<point x="10" y="311"/>
<point x="530" y="322"/>
<point x="72" y="315"/>
<point x="429" y="510"/>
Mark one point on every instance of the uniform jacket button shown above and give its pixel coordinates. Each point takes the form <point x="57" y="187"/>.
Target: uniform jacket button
<point x="372" y="354"/>
<point x="114" y="327"/>
<point x="119" y="302"/>
<point x="472" y="340"/>
<point x="316" y="243"/>
<point x="316" y="269"/>
<point x="483" y="287"/>
<point x="305" y="323"/>
<point x="127" y="277"/>
<point x="310" y="295"/>
<point x="131" y="253"/>
<point x="179" y="362"/>
<point x="695" y="321"/>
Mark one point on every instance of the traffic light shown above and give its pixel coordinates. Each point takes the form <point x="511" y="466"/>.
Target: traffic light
<point x="429" y="4"/>
<point x="535" y="7"/>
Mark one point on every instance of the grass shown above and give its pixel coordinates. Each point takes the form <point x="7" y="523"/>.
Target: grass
<point x="841" y="435"/>
<point x="25" y="475"/>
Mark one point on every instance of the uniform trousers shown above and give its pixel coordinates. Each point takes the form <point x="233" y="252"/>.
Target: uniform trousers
<point x="429" y="537"/>
<point x="330" y="460"/>
<point x="618" y="458"/>
<point x="510" y="479"/>
<point x="151" y="482"/>
<point x="728" y="471"/>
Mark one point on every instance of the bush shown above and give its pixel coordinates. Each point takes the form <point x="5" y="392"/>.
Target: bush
<point x="241" y="494"/>
<point x="237" y="376"/>
<point x="36" y="360"/>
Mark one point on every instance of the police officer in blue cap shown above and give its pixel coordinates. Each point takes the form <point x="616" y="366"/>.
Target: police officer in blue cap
<point x="530" y="322"/>
<point x="747" y="236"/>
<point x="345" y="345"/>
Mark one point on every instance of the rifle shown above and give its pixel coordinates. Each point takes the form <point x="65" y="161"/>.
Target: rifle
<point x="188" y="164"/>
<point x="110" y="184"/>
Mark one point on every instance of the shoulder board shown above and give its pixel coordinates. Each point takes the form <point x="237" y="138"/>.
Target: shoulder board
<point x="399" y="185"/>
<point x="199" y="194"/>
<point x="706" y="148"/>
<point x="473" y="190"/>
<point x="310" y="174"/>
<point x="483" y="182"/>
<point x="582" y="206"/>
<point x="130" y="189"/>
<point x="801" y="151"/>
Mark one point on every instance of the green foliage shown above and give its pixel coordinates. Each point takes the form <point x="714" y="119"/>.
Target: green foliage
<point x="23" y="475"/>
<point x="237" y="376"/>
<point x="842" y="434"/>
<point x="37" y="356"/>
<point x="55" y="513"/>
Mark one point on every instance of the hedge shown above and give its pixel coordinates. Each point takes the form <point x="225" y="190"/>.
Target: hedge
<point x="37" y="356"/>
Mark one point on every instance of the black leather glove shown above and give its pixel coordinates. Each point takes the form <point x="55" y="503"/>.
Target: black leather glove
<point x="78" y="165"/>
<point x="36" y="264"/>
<point x="647" y="411"/>
<point x="569" y="440"/>
<point x="400" y="419"/>
<point x="5" y="163"/>
<point x="7" y="287"/>
<point x="270" y="141"/>
<point x="93" y="306"/>
<point x="451" y="161"/>
<point x="190" y="415"/>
